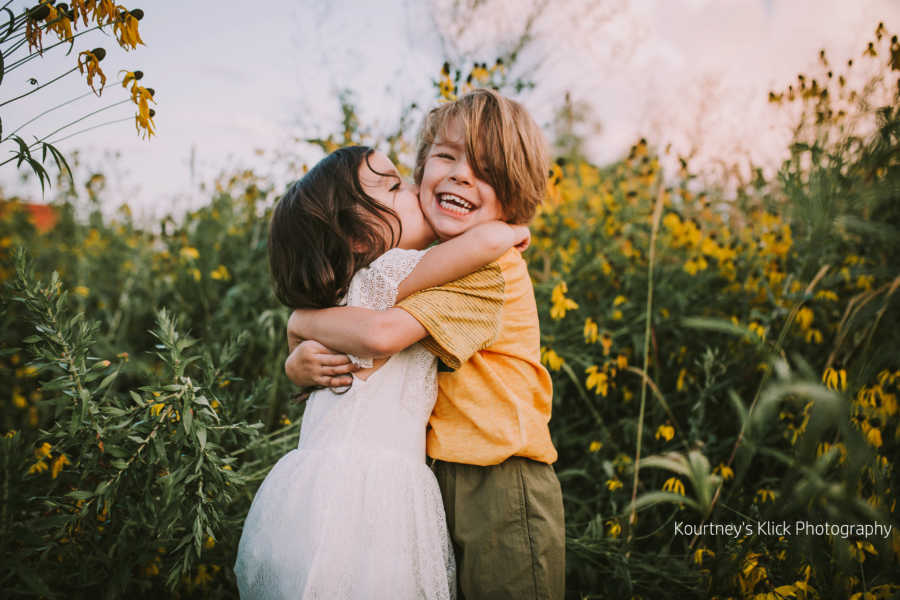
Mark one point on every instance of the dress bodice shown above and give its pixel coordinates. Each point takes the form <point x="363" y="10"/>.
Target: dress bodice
<point x="389" y="409"/>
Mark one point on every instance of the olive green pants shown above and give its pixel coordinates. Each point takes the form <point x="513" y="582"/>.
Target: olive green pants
<point x="507" y="526"/>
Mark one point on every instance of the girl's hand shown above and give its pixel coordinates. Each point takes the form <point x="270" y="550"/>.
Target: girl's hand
<point x="312" y="364"/>
<point x="522" y="237"/>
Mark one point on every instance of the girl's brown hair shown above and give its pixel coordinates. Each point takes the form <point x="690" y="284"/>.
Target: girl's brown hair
<point x="324" y="229"/>
<point x="504" y="147"/>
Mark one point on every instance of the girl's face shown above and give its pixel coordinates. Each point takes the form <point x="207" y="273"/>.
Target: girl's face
<point x="380" y="180"/>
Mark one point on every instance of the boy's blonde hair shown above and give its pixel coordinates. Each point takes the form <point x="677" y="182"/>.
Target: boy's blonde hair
<point x="504" y="147"/>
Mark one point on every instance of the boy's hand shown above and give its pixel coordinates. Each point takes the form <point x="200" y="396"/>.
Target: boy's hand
<point x="312" y="364"/>
<point x="522" y="236"/>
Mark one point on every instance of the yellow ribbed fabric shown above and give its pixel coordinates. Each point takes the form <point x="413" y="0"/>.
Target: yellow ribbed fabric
<point x="497" y="402"/>
<point x="462" y="316"/>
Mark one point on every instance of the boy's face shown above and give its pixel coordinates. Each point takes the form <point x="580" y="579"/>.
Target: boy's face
<point x="452" y="198"/>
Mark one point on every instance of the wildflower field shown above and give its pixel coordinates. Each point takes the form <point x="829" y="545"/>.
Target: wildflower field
<point x="726" y="367"/>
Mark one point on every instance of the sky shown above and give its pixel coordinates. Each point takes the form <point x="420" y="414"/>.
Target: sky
<point x="236" y="87"/>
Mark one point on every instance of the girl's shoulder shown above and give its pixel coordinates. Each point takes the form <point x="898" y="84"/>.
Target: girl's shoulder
<point x="397" y="257"/>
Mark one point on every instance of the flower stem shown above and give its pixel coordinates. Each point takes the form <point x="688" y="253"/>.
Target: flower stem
<point x="49" y="110"/>
<point x="657" y="214"/>
<point x="39" y="87"/>
<point x="80" y="131"/>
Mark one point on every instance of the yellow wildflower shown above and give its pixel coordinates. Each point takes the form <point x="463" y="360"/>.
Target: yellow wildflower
<point x="125" y="29"/>
<point x="622" y="362"/>
<point x="725" y="471"/>
<point x="598" y="380"/>
<point x="221" y="273"/>
<point x="873" y="437"/>
<point x="864" y="282"/>
<point x="89" y="61"/>
<point x="813" y="336"/>
<point x="667" y="432"/>
<point x="38" y="467"/>
<point x="595" y="446"/>
<point x="606" y="342"/>
<point x="619" y="300"/>
<point x="196" y="274"/>
<point x="18" y="399"/>
<point x="613" y="529"/>
<point x="591" y="332"/>
<point x="859" y="548"/>
<point x="155" y="409"/>
<point x="674" y="484"/>
<point x="60" y="461"/>
<point x="43" y="451"/>
<point x="693" y="265"/>
<point x="81" y="290"/>
<point x="617" y="315"/>
<point x="699" y="553"/>
<point x="189" y="253"/>
<point x="805" y="317"/>
<point x="613" y="484"/>
<point x="209" y="543"/>
<point x="680" y="384"/>
<point x="551" y="359"/>
<point x="758" y="329"/>
<point x="835" y="379"/>
<point x="561" y="304"/>
<point x="763" y="495"/>
<point x="203" y="576"/>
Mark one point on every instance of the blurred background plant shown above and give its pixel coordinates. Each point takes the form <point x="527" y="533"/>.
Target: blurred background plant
<point x="715" y="359"/>
<point x="22" y="42"/>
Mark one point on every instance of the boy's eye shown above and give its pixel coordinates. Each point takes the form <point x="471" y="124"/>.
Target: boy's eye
<point x="444" y="155"/>
<point x="395" y="187"/>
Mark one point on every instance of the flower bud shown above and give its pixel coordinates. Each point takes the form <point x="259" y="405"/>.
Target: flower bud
<point x="39" y="13"/>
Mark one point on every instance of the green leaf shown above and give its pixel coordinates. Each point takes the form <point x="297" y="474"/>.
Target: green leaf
<point x="201" y="434"/>
<point x="119" y="463"/>
<point x="80" y="495"/>
<point x="136" y="397"/>
<point x="187" y="420"/>
<point x="653" y="498"/>
<point x="107" y="380"/>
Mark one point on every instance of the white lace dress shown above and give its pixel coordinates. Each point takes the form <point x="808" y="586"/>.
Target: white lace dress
<point x="354" y="512"/>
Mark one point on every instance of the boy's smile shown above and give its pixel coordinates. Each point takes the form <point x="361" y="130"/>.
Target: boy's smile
<point x="452" y="197"/>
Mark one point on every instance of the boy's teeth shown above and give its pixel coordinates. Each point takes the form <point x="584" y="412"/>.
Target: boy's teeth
<point x="454" y="204"/>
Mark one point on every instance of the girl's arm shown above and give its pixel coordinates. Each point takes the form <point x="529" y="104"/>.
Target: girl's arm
<point x="377" y="333"/>
<point x="459" y="256"/>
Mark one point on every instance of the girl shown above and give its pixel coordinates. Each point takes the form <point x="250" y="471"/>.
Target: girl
<point x="354" y="512"/>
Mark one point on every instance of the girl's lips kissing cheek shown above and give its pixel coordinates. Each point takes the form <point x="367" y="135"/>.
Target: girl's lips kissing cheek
<point x="454" y="204"/>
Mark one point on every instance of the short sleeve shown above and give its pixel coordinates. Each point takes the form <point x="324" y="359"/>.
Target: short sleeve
<point x="376" y="286"/>
<point x="461" y="317"/>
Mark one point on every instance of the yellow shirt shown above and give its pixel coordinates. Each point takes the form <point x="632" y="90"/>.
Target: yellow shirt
<point x="497" y="402"/>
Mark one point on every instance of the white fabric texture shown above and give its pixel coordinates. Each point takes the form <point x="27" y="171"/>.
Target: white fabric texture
<point x="354" y="512"/>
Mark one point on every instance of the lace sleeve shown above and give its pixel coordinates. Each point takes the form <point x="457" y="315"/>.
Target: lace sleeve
<point x="376" y="286"/>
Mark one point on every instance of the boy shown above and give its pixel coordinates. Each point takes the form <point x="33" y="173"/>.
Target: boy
<point x="479" y="158"/>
